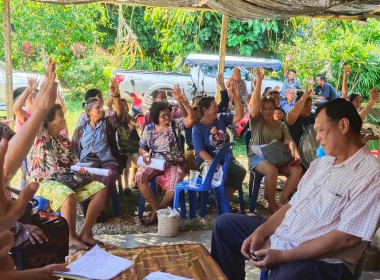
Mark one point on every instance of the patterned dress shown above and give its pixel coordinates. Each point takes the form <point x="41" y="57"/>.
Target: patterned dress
<point x="49" y="156"/>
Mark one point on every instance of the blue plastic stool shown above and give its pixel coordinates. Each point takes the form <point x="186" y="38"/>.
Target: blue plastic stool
<point x="153" y="187"/>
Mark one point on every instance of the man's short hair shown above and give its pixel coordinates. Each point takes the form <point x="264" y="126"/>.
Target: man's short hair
<point x="92" y="93"/>
<point x="292" y="70"/>
<point x="340" y="108"/>
<point x="156" y="92"/>
<point x="280" y="109"/>
<point x="322" y="77"/>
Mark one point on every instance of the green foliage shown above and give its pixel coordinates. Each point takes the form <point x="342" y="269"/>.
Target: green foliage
<point x="51" y="30"/>
<point x="87" y="72"/>
<point x="325" y="46"/>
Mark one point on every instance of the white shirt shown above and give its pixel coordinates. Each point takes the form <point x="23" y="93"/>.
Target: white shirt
<point x="342" y="197"/>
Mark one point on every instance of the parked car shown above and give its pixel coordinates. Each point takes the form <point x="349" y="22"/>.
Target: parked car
<point x="202" y="76"/>
<point x="19" y="82"/>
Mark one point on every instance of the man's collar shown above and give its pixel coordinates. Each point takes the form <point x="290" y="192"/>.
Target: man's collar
<point x="355" y="159"/>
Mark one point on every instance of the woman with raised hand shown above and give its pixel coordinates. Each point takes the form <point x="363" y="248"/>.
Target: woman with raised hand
<point x="264" y="130"/>
<point x="161" y="139"/>
<point x="94" y="141"/>
<point x="209" y="135"/>
<point x="51" y="156"/>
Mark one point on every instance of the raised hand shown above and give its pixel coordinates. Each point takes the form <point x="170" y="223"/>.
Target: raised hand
<point x="374" y="96"/>
<point x="234" y="91"/>
<point x="47" y="95"/>
<point x="32" y="83"/>
<point x="259" y="73"/>
<point x="220" y="81"/>
<point x="311" y="80"/>
<point x="347" y="70"/>
<point x="114" y="86"/>
<point x="288" y="57"/>
<point x="179" y="95"/>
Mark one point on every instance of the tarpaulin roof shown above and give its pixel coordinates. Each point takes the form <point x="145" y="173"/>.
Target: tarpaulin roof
<point x="256" y="9"/>
<point x="248" y="62"/>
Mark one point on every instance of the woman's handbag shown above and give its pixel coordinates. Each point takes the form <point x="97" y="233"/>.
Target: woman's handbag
<point x="73" y="179"/>
<point x="175" y="157"/>
<point x="277" y="153"/>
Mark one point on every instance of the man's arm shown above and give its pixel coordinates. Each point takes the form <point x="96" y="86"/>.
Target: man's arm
<point x="287" y="59"/>
<point x="346" y="72"/>
<point x="259" y="237"/>
<point x="325" y="246"/>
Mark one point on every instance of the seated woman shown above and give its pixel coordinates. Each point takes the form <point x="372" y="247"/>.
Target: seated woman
<point x="158" y="140"/>
<point x="50" y="156"/>
<point x="94" y="141"/>
<point x="264" y="130"/>
<point x="209" y="135"/>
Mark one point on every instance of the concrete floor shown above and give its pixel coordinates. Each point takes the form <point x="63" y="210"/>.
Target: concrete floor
<point x="202" y="237"/>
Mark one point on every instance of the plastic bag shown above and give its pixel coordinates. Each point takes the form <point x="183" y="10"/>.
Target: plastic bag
<point x="167" y="213"/>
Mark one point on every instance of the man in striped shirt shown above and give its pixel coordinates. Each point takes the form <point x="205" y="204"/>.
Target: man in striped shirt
<point x="324" y="229"/>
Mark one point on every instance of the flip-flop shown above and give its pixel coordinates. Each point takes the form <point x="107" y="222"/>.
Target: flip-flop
<point x="146" y="221"/>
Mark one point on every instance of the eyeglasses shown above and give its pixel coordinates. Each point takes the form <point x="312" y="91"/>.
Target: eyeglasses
<point x="166" y="116"/>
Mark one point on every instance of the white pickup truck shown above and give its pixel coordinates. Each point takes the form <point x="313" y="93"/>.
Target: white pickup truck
<point x="202" y="77"/>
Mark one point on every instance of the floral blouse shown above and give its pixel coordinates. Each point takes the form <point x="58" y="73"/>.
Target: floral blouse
<point x="49" y="156"/>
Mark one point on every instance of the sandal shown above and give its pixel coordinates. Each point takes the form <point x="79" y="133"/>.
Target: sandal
<point x="146" y="221"/>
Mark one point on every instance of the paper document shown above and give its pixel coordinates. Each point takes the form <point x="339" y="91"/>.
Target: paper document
<point x="96" y="264"/>
<point x="155" y="163"/>
<point x="164" y="276"/>
<point x="92" y="170"/>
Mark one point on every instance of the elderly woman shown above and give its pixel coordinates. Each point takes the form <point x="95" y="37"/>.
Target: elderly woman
<point x="161" y="139"/>
<point x="265" y="129"/>
<point x="94" y="141"/>
<point x="51" y="156"/>
<point x="209" y="135"/>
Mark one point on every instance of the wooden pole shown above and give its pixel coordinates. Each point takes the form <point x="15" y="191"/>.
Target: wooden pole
<point x="8" y="58"/>
<point x="222" y="51"/>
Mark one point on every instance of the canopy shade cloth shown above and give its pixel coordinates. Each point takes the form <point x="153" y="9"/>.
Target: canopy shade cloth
<point x="256" y="9"/>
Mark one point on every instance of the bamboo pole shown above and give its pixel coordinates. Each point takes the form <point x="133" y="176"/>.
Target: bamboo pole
<point x="222" y="51"/>
<point x="8" y="58"/>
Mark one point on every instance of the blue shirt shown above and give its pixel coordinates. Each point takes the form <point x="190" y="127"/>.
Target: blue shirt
<point x="286" y="106"/>
<point x="287" y="85"/>
<point x="327" y="91"/>
<point x="210" y="138"/>
<point x="96" y="140"/>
